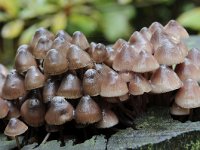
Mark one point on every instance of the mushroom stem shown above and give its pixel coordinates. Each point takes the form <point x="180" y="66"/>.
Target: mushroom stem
<point x="17" y="142"/>
<point x="46" y="138"/>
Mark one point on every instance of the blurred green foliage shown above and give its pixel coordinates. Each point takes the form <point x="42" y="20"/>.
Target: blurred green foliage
<point x="101" y="20"/>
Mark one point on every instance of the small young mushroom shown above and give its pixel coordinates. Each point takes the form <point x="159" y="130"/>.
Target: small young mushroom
<point x="99" y="53"/>
<point x="33" y="112"/>
<point x="24" y="59"/>
<point x="78" y="58"/>
<point x="179" y="111"/>
<point x="194" y="56"/>
<point x="156" y="26"/>
<point x="14" y="128"/>
<point x="13" y="87"/>
<point x="164" y="80"/>
<point x="34" y="78"/>
<point x="87" y="111"/>
<point x="80" y="40"/>
<point x="4" y="108"/>
<point x="146" y="33"/>
<point x="126" y="75"/>
<point x="13" y="110"/>
<point x="55" y="62"/>
<point x="91" y="82"/>
<point x="59" y="112"/>
<point x="70" y="87"/>
<point x="117" y="46"/>
<point x="64" y="35"/>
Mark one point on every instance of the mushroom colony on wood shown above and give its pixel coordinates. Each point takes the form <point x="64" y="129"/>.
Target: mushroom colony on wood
<point x="60" y="78"/>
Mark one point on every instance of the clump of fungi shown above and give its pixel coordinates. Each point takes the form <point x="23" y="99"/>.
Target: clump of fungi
<point x="62" y="80"/>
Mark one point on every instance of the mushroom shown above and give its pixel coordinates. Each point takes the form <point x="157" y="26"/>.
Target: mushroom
<point x="194" y="56"/>
<point x="70" y="87"/>
<point x="80" y="40"/>
<point x="14" y="84"/>
<point x="64" y="35"/>
<point x="34" y="78"/>
<point x="156" y="26"/>
<point x="24" y="59"/>
<point x="179" y="111"/>
<point x="99" y="53"/>
<point x="91" y="82"/>
<point x="146" y="33"/>
<point x="55" y="63"/>
<point x="33" y="112"/>
<point x="3" y="70"/>
<point x="14" y="128"/>
<point x="117" y="46"/>
<point x="13" y="110"/>
<point x="87" y="111"/>
<point x="4" y="108"/>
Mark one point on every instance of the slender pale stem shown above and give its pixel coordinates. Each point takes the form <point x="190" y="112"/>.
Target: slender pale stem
<point x="46" y="138"/>
<point x="17" y="141"/>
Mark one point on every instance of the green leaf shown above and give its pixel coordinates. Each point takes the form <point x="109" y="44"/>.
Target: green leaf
<point x="59" y="22"/>
<point x="84" y="23"/>
<point x="115" y="22"/>
<point x="12" y="29"/>
<point x="27" y="34"/>
<point x="11" y="7"/>
<point x="190" y="19"/>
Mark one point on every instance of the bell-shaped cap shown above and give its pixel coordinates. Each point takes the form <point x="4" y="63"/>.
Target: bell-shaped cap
<point x="176" y="31"/>
<point x="117" y="46"/>
<point x="13" y="87"/>
<point x="55" y="63"/>
<point x="2" y="81"/>
<point x="164" y="80"/>
<point x="140" y="42"/>
<point x="146" y="33"/>
<point x="70" y="87"/>
<point x="179" y="111"/>
<point x="59" y="112"/>
<point x="169" y="54"/>
<point x="144" y="62"/>
<point x="111" y="53"/>
<point x="38" y="34"/>
<point x="139" y="85"/>
<point x="126" y="75"/>
<point x="194" y="56"/>
<point x="42" y="47"/>
<point x="99" y="53"/>
<point x="64" y="35"/>
<point x="156" y="26"/>
<point x="33" y="112"/>
<point x="78" y="58"/>
<point x="80" y="40"/>
<point x="13" y="110"/>
<point x="188" y="70"/>
<point x="3" y="70"/>
<point x="109" y="119"/>
<point x="87" y="111"/>
<point x="112" y="85"/>
<point x="188" y="96"/>
<point x="124" y="59"/>
<point x="4" y="108"/>
<point x="15" y="127"/>
<point x="24" y="59"/>
<point x="49" y="91"/>
<point x="91" y="82"/>
<point x="34" y="78"/>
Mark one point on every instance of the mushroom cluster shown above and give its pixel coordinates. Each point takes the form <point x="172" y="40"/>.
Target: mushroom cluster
<point x="61" y="78"/>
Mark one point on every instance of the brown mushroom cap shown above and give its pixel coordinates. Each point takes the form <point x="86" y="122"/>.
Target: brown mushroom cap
<point x="99" y="53"/>
<point x="33" y="112"/>
<point x="80" y="40"/>
<point x="87" y="111"/>
<point x="42" y="47"/>
<point x="64" y="35"/>
<point x="24" y="59"/>
<point x="59" y="112"/>
<point x="2" y="81"/>
<point x="144" y="62"/>
<point x="126" y="75"/>
<point x="4" y="109"/>
<point x="3" y="70"/>
<point x="124" y="59"/>
<point x="156" y="26"/>
<point x="70" y="87"/>
<point x="124" y="97"/>
<point x="164" y="80"/>
<point x="194" y="56"/>
<point x="49" y="90"/>
<point x="15" y="127"/>
<point x="55" y="62"/>
<point x="13" y="110"/>
<point x="169" y="54"/>
<point x="91" y="82"/>
<point x="109" y="119"/>
<point x="146" y="33"/>
<point x="34" y="78"/>
<point x="176" y="31"/>
<point x="188" y="96"/>
<point x="112" y="85"/>
<point x="188" y="70"/>
<point x="78" y="58"/>
<point x="139" y="85"/>
<point x="14" y="86"/>
<point x="179" y="111"/>
<point x="117" y="46"/>
<point x="111" y="53"/>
